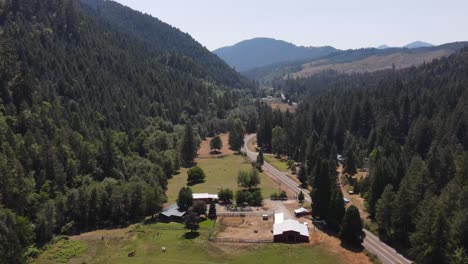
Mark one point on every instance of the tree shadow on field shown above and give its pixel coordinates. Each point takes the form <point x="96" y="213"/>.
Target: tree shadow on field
<point x="191" y="235"/>
<point x="352" y="248"/>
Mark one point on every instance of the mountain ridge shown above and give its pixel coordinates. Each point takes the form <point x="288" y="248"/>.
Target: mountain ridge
<point x="262" y="51"/>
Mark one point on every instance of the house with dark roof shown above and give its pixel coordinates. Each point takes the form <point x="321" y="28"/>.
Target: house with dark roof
<point x="172" y="213"/>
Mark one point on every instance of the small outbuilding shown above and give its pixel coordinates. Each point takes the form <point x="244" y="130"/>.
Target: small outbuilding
<point x="301" y="212"/>
<point x="172" y="213"/>
<point x="205" y="197"/>
<point x="290" y="231"/>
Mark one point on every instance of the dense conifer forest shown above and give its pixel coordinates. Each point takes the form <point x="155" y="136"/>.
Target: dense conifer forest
<point x="93" y="118"/>
<point x="409" y="128"/>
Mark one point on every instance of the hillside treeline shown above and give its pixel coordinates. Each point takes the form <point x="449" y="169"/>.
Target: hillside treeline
<point x="92" y="120"/>
<point x="409" y="128"/>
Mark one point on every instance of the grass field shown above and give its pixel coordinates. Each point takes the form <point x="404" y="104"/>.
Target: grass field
<point x="277" y="163"/>
<point x="220" y="172"/>
<point x="148" y="240"/>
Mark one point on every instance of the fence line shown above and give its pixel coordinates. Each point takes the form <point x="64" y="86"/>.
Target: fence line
<point x="239" y="240"/>
<point x="269" y="213"/>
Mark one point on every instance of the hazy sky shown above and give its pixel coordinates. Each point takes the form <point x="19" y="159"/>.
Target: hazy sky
<point x="343" y="24"/>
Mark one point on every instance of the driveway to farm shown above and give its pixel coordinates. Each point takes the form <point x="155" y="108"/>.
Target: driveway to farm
<point x="372" y="243"/>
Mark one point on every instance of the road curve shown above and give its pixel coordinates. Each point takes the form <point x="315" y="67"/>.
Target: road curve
<point x="372" y="243"/>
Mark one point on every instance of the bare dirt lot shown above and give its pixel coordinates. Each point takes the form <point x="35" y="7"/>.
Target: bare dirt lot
<point x="248" y="228"/>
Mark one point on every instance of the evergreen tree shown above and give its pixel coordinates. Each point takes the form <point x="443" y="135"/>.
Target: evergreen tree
<point x="300" y="197"/>
<point x="351" y="228"/>
<point x="189" y="146"/>
<point x="321" y="191"/>
<point x="350" y="163"/>
<point x="277" y="141"/>
<point x="336" y="208"/>
<point x="185" y="198"/>
<point x="429" y="241"/>
<point x="236" y="136"/>
<point x="216" y="143"/>
<point x="384" y="210"/>
<point x="260" y="159"/>
<point x="302" y="177"/>
<point x="212" y="211"/>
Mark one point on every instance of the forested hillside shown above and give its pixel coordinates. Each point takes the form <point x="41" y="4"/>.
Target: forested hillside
<point x="355" y="61"/>
<point x="260" y="52"/>
<point x="158" y="35"/>
<point x="92" y="119"/>
<point x="409" y="127"/>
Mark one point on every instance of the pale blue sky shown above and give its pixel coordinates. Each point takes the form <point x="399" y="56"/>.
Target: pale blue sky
<point x="343" y="24"/>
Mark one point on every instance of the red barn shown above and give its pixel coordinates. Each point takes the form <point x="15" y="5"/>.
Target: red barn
<point x="291" y="231"/>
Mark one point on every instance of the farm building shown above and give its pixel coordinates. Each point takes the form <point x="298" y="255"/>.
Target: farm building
<point x="172" y="213"/>
<point x="206" y="197"/>
<point x="301" y="212"/>
<point x="289" y="230"/>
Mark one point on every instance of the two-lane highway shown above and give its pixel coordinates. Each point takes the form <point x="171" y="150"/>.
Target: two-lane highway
<point x="372" y="243"/>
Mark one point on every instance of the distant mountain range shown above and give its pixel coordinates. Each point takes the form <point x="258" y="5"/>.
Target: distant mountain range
<point x="259" y="52"/>
<point x="356" y="61"/>
<point x="412" y="45"/>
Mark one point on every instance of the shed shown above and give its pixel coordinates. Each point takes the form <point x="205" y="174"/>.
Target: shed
<point x="301" y="211"/>
<point x="291" y="231"/>
<point x="172" y="213"/>
<point x="206" y="197"/>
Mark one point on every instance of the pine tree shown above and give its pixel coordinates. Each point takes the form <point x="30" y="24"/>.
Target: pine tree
<point x="351" y="228"/>
<point x="384" y="210"/>
<point x="216" y="143"/>
<point x="236" y="135"/>
<point x="260" y="160"/>
<point x="212" y="210"/>
<point x="336" y="208"/>
<point x="321" y="191"/>
<point x="301" y="197"/>
<point x="350" y="162"/>
<point x="302" y="177"/>
<point x="185" y="198"/>
<point x="189" y="146"/>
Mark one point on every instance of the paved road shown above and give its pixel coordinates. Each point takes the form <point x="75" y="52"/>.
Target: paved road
<point x="372" y="243"/>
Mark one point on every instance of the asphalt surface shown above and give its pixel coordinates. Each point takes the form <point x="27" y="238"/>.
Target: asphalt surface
<point x="372" y="243"/>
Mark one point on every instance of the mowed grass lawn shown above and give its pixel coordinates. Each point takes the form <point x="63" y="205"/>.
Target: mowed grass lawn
<point x="277" y="163"/>
<point x="147" y="243"/>
<point x="221" y="172"/>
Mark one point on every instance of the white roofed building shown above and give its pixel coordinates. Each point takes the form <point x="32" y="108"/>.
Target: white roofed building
<point x="290" y="231"/>
<point x="206" y="197"/>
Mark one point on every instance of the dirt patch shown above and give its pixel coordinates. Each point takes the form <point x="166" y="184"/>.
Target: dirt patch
<point x="354" y="199"/>
<point x="248" y="228"/>
<point x="205" y="152"/>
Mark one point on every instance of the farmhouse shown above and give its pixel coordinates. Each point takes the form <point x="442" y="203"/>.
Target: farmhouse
<point x="172" y="213"/>
<point x="289" y="230"/>
<point x="206" y="197"/>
